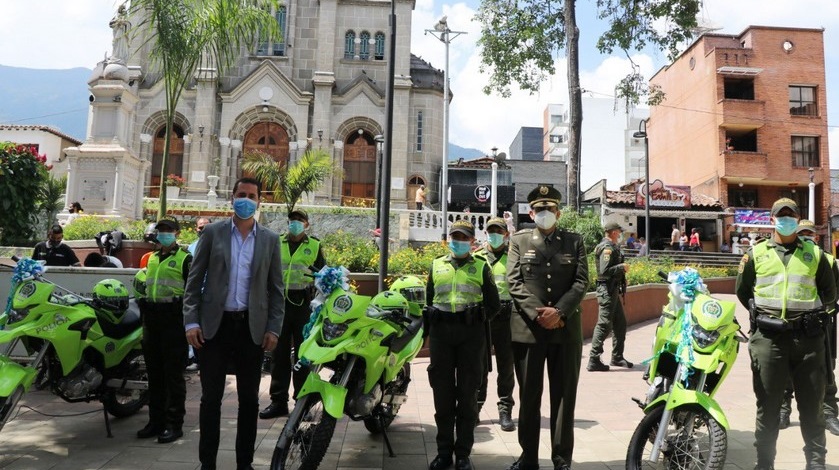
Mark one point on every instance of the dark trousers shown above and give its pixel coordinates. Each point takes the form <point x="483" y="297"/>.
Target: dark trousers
<point x="231" y="344"/>
<point x="419" y="206"/>
<point x="501" y="343"/>
<point x="457" y="365"/>
<point x="165" y="352"/>
<point x="610" y="319"/>
<point x="775" y="359"/>
<point x="296" y="317"/>
<point x="563" y="361"/>
<point x="830" y="407"/>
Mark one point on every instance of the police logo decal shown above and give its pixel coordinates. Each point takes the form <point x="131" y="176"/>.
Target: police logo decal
<point x="342" y="304"/>
<point x="26" y="291"/>
<point x="712" y="309"/>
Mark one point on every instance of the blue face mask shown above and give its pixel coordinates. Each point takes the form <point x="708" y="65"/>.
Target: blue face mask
<point x="459" y="248"/>
<point x="295" y="227"/>
<point x="496" y="240"/>
<point x="166" y="238"/>
<point x="244" y="208"/>
<point x="786" y="225"/>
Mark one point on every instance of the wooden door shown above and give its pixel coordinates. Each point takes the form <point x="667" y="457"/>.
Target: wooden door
<point x="272" y="139"/>
<point x="359" y="185"/>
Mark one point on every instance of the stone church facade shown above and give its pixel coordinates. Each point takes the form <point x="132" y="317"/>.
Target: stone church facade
<point x="321" y="87"/>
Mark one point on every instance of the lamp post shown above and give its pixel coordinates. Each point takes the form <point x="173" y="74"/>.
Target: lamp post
<point x="380" y="139"/>
<point x="642" y="133"/>
<point x="811" y="213"/>
<point x="442" y="32"/>
<point x="493" y="197"/>
<point x="387" y="155"/>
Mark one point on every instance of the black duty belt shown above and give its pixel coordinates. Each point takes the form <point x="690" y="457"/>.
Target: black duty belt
<point x="236" y="316"/>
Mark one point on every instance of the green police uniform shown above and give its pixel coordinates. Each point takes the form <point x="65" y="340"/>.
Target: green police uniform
<point x="786" y="283"/>
<point x="546" y="271"/>
<point x="610" y="318"/>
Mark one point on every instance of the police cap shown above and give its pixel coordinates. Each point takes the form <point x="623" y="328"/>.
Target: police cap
<point x="544" y="196"/>
<point x="299" y="213"/>
<point x="463" y="226"/>
<point x="612" y="226"/>
<point x="497" y="222"/>
<point x="168" y="221"/>
<point x="805" y="225"/>
<point x="780" y="204"/>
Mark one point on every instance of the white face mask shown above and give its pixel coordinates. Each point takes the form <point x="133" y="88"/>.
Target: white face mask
<point x="545" y="219"/>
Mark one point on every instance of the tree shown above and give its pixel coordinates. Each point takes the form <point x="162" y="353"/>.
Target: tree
<point x="520" y="39"/>
<point x="290" y="182"/>
<point x="185" y="35"/>
<point x="22" y="173"/>
<point x="51" y="198"/>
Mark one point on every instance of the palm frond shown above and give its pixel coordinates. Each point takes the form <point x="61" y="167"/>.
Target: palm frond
<point x="307" y="175"/>
<point x="264" y="168"/>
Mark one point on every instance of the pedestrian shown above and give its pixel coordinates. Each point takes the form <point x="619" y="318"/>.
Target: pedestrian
<point x="683" y="242"/>
<point x="199" y="228"/>
<point x="675" y="235"/>
<point x="630" y="241"/>
<point x="694" y="243"/>
<point x="725" y="247"/>
<point x="788" y="281"/>
<point x="419" y="197"/>
<point x="548" y="276"/>
<point x="461" y="294"/>
<point x="233" y="312"/>
<point x="54" y="251"/>
<point x="495" y="252"/>
<point x="643" y="249"/>
<point x="301" y="254"/>
<point x="164" y="343"/>
<point x="611" y="282"/>
<point x="807" y="231"/>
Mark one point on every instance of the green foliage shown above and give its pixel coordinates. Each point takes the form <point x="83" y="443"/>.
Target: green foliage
<point x="22" y="174"/>
<point x="645" y="271"/>
<point x="588" y="225"/>
<point x="87" y="226"/>
<point x="51" y="198"/>
<point x="351" y="251"/>
<point x="290" y="182"/>
<point x="415" y="261"/>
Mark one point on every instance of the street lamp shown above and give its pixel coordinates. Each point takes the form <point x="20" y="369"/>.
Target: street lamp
<point x="811" y="213"/>
<point x="642" y="133"/>
<point x="442" y="32"/>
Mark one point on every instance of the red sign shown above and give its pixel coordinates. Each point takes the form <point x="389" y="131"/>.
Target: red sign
<point x="482" y="193"/>
<point x="663" y="196"/>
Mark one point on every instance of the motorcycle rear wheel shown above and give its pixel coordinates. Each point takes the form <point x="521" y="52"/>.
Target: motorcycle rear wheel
<point x="702" y="448"/>
<point x="385" y="414"/>
<point x="124" y="403"/>
<point x="309" y="431"/>
<point x="8" y="405"/>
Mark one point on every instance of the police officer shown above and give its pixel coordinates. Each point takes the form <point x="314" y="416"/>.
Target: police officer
<point x="495" y="252"/>
<point x="164" y="343"/>
<point x="547" y="273"/>
<point x="791" y="285"/>
<point x="300" y="252"/>
<point x="461" y="294"/>
<point x="807" y="231"/>
<point x="611" y="280"/>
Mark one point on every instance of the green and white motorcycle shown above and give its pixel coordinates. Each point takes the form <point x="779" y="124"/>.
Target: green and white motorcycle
<point x="358" y="351"/>
<point x="81" y="349"/>
<point x="696" y="344"/>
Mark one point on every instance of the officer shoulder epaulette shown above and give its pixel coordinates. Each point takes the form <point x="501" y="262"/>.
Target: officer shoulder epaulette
<point x="763" y="240"/>
<point x="480" y="255"/>
<point x="313" y="237"/>
<point x="524" y="231"/>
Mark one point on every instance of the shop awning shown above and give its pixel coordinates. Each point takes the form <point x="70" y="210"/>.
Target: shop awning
<point x="667" y="213"/>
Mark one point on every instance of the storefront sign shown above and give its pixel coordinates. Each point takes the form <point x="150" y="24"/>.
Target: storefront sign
<point x="482" y="193"/>
<point x="752" y="217"/>
<point x="662" y="195"/>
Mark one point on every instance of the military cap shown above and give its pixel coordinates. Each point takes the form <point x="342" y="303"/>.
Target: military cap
<point x="168" y="221"/>
<point x="784" y="202"/>
<point x="463" y="226"/>
<point x="299" y="213"/>
<point x="497" y="222"/>
<point x="805" y="225"/>
<point x="612" y="226"/>
<point x="544" y="196"/>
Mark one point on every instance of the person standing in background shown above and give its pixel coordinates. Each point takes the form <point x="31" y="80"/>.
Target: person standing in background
<point x="54" y="251"/>
<point x="419" y="197"/>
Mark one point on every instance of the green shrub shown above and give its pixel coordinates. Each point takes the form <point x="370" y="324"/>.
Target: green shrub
<point x="351" y="251"/>
<point x="22" y="173"/>
<point x="415" y="261"/>
<point x="87" y="226"/>
<point x="588" y="225"/>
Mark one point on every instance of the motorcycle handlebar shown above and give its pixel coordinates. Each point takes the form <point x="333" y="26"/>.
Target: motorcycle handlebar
<point x="15" y="258"/>
<point x="662" y="275"/>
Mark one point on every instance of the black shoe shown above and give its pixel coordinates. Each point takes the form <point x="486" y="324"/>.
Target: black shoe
<point x="463" y="463"/>
<point x="274" y="410"/>
<point x="564" y="466"/>
<point x="783" y="420"/>
<point x="831" y="423"/>
<point x="621" y="362"/>
<point x="149" y="431"/>
<point x="170" y="435"/>
<point x="595" y="365"/>
<point x="815" y="466"/>
<point x="506" y="422"/>
<point x="441" y="462"/>
<point x="517" y="465"/>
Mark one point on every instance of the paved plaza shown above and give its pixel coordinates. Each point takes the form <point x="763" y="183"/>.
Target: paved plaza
<point x="605" y="420"/>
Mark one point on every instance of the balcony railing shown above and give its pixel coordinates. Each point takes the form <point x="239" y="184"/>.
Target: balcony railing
<point x="741" y="114"/>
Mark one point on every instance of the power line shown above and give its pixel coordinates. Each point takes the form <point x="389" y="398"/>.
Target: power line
<point x="47" y="115"/>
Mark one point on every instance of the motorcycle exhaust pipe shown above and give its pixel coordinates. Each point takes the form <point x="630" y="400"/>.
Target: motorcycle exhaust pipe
<point x="127" y="384"/>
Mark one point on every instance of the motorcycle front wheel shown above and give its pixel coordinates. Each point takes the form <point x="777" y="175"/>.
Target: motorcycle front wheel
<point x="123" y="403"/>
<point x="305" y="437"/>
<point x="384" y="414"/>
<point x="693" y="440"/>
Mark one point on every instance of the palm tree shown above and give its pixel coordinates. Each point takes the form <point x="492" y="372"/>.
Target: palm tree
<point x="290" y="182"/>
<point x="184" y="35"/>
<point x="51" y="198"/>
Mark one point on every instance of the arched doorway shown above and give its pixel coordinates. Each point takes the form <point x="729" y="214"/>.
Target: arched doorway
<point x="176" y="156"/>
<point x="414" y="182"/>
<point x="359" y="186"/>
<point x="270" y="138"/>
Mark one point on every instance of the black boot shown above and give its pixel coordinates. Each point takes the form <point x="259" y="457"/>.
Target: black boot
<point x="831" y="423"/>
<point x="621" y="362"/>
<point x="783" y="420"/>
<point x="505" y="421"/>
<point x="596" y="365"/>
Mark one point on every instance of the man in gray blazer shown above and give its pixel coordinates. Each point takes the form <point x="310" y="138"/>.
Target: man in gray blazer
<point x="233" y="312"/>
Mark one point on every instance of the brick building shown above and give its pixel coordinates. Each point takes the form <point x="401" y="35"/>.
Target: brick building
<point x="745" y="119"/>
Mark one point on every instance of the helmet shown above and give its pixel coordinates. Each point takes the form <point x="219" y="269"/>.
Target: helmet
<point x="111" y="295"/>
<point x="150" y="233"/>
<point x="413" y="289"/>
<point x="387" y="301"/>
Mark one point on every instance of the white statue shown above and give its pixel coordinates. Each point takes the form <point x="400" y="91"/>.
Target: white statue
<point x="120" y="24"/>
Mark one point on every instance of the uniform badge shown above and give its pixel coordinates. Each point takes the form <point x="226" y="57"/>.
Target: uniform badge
<point x="307" y="251"/>
<point x="543" y="190"/>
<point x="808" y="257"/>
<point x="172" y="264"/>
<point x="472" y="270"/>
<point x="743" y="261"/>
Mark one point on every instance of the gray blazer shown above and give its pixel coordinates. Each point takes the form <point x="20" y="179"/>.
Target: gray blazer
<point x="204" y="299"/>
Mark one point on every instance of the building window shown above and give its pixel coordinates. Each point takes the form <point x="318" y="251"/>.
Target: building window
<point x="802" y="101"/>
<point x="364" y="47"/>
<point x="739" y="88"/>
<point x="805" y="151"/>
<point x="277" y="46"/>
<point x="380" y="46"/>
<point x="742" y="197"/>
<point x="349" y="45"/>
<point x="419" y="131"/>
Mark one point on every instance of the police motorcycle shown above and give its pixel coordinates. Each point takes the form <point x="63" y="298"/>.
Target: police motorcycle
<point x="696" y="344"/>
<point x="80" y="349"/>
<point x="358" y="351"/>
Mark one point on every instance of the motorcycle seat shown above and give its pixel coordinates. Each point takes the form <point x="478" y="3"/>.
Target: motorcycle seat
<point x="397" y="344"/>
<point x="129" y="322"/>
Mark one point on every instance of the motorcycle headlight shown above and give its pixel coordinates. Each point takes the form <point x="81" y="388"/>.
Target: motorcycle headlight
<point x="331" y="330"/>
<point x="17" y="315"/>
<point x="703" y="337"/>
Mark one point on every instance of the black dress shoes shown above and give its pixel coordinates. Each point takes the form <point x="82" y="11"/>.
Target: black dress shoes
<point x="463" y="463"/>
<point x="274" y="410"/>
<point x="506" y="422"/>
<point x="517" y="465"/>
<point x="441" y="462"/>
<point x="170" y="435"/>
<point x="149" y="431"/>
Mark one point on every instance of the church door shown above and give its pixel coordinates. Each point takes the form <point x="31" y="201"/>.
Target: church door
<point x="359" y="187"/>
<point x="176" y="156"/>
<point x="272" y="139"/>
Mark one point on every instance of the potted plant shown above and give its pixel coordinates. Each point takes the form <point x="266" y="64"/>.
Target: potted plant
<point x="174" y="183"/>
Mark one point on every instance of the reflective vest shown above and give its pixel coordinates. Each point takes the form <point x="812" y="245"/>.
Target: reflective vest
<point x="165" y="281"/>
<point x="780" y="288"/>
<point x="456" y="289"/>
<point x="296" y="266"/>
<point x="499" y="273"/>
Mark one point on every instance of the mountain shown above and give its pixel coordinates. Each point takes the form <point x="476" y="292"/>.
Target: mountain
<point x="56" y="98"/>
<point x="456" y="151"/>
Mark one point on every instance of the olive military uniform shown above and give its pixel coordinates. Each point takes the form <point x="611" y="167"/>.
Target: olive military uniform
<point x="787" y="282"/>
<point x="610" y="318"/>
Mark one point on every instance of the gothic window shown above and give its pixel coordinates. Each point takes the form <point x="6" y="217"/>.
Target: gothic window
<point x="419" y="131"/>
<point x="380" y="46"/>
<point x="349" y="44"/>
<point x="364" y="47"/>
<point x="275" y="47"/>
